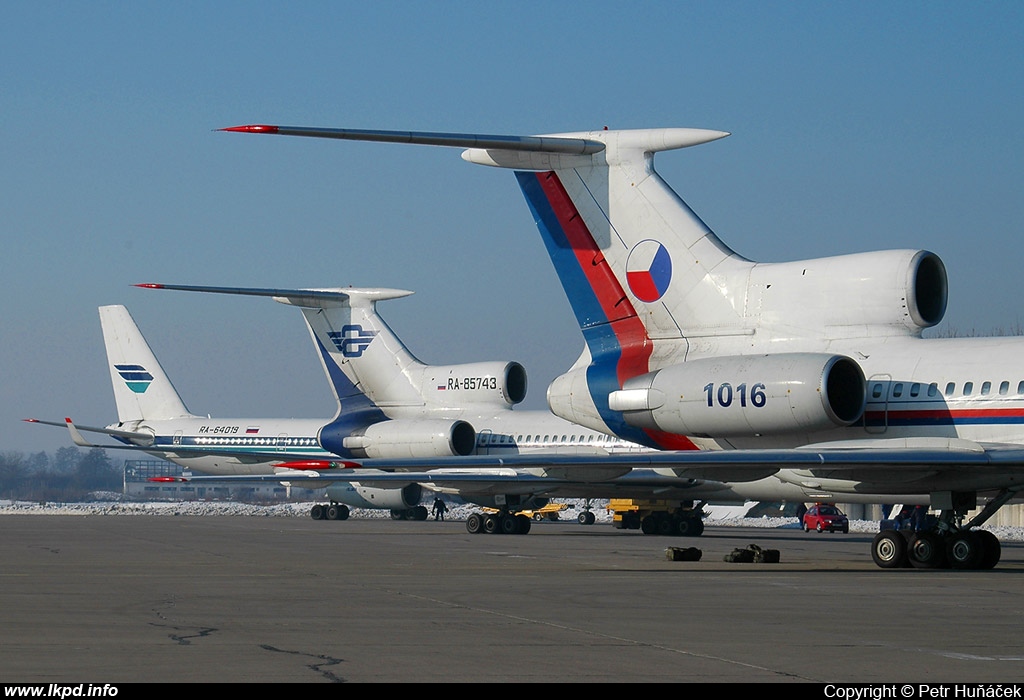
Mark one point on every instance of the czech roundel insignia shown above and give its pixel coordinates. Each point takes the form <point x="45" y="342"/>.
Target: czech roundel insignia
<point x="648" y="270"/>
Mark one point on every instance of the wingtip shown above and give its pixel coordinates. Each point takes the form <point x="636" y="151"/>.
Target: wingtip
<point x="252" y="129"/>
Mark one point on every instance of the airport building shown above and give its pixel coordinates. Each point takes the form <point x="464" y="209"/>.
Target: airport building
<point x="138" y="485"/>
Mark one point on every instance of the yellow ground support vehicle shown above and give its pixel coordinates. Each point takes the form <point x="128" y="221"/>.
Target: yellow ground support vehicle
<point x="657" y="517"/>
<point x="548" y="512"/>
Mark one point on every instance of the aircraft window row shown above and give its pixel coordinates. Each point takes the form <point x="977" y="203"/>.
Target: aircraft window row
<point x="496" y="439"/>
<point x="293" y="442"/>
<point x="912" y="390"/>
<point x="984" y="390"/>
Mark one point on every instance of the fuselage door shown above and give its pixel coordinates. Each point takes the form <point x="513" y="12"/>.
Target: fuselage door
<point x="483" y="442"/>
<point x="876" y="413"/>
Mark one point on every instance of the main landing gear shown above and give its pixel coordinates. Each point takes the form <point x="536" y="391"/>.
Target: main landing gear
<point x="334" y="511"/>
<point x="962" y="549"/>
<point x="949" y="545"/>
<point x="500" y="523"/>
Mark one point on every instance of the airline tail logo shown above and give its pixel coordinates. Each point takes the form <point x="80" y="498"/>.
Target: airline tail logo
<point x="352" y="340"/>
<point x="135" y="376"/>
<point x="649" y="270"/>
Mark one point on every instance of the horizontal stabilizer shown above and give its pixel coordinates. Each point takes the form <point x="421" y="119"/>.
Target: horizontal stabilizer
<point x="541" y="144"/>
<point x="309" y="298"/>
<point x="78" y="439"/>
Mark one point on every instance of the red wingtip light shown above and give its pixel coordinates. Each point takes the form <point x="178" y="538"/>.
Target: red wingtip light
<point x="149" y="285"/>
<point x="164" y="479"/>
<point x="30" y="420"/>
<point x="252" y="129"/>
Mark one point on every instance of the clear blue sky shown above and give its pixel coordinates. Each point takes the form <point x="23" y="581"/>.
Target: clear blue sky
<point x="856" y="126"/>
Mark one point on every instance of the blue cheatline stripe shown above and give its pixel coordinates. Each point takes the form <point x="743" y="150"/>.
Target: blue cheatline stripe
<point x="581" y="295"/>
<point x="192" y="444"/>
<point x="357" y="410"/>
<point x="352" y="399"/>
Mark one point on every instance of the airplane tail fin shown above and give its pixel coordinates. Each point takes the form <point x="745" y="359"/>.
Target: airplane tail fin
<point x="363" y="358"/>
<point x="141" y="388"/>
<point x="367" y="365"/>
<point x="637" y="264"/>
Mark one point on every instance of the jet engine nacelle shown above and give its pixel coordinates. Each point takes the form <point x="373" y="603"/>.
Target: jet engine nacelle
<point x="396" y="439"/>
<point x="746" y="395"/>
<point x="496" y="383"/>
<point x="358" y="496"/>
<point x="889" y="289"/>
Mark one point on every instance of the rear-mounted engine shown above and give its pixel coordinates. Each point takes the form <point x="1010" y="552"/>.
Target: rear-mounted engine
<point x="746" y="395"/>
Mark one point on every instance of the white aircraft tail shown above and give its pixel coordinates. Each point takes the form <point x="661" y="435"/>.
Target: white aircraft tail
<point x="633" y="258"/>
<point x="370" y="368"/>
<point x="629" y="252"/>
<point x="141" y="388"/>
<point x="361" y="355"/>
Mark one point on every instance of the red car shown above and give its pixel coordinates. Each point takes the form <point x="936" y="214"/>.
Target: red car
<point x="825" y="516"/>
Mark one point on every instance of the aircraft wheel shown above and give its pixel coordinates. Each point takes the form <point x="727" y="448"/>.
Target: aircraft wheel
<point x="582" y="518"/>
<point x="889" y="549"/>
<point x="691" y="527"/>
<point x="964" y="550"/>
<point x="397" y="514"/>
<point x="491" y="524"/>
<point x="418" y="513"/>
<point x="927" y="551"/>
<point x="524" y="525"/>
<point x="474" y="523"/>
<point x="649" y="525"/>
<point x="333" y="512"/>
<point x="591" y="518"/>
<point x="317" y="512"/>
<point x="666" y="525"/>
<point x="991" y="549"/>
<point x="509" y="524"/>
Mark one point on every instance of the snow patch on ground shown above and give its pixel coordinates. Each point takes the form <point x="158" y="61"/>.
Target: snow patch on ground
<point x="719" y="516"/>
